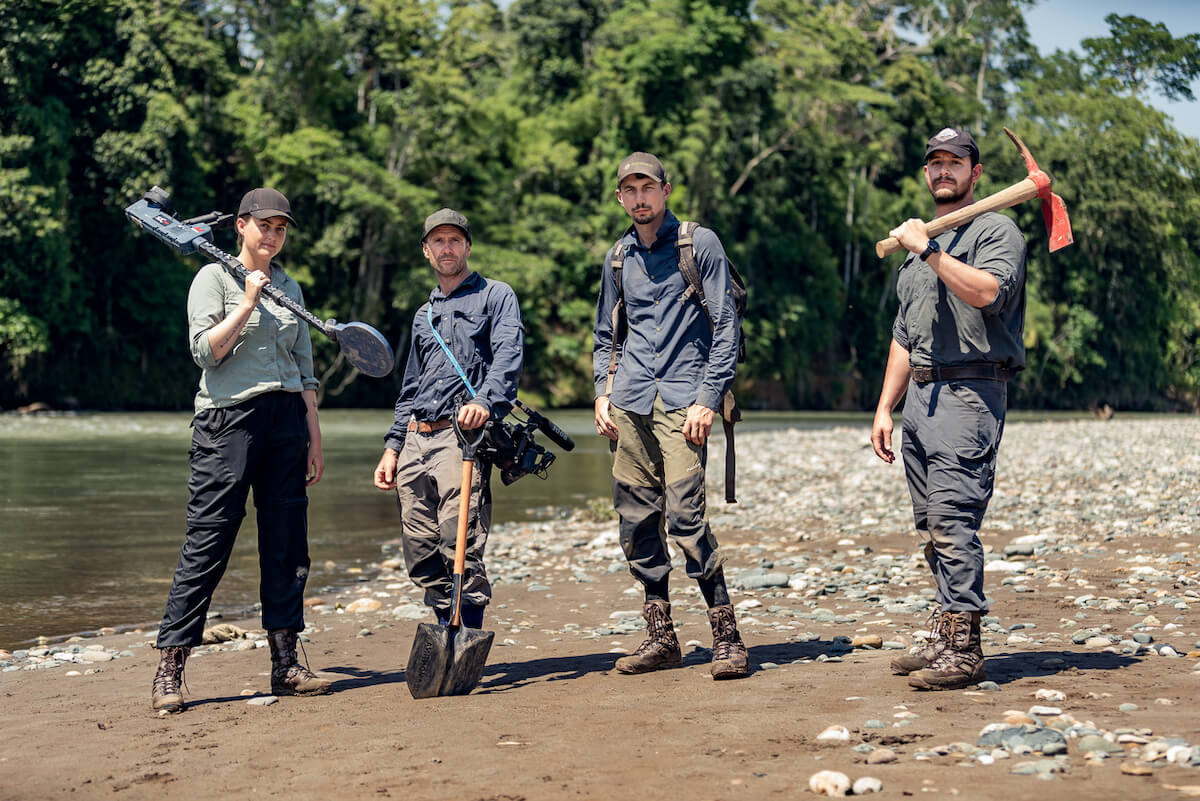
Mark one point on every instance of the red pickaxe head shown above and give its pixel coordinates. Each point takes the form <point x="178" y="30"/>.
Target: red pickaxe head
<point x="1054" y="211"/>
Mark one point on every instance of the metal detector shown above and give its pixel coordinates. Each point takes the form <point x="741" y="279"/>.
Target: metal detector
<point x="364" y="347"/>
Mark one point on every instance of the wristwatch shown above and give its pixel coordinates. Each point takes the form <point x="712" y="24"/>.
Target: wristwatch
<point x="930" y="249"/>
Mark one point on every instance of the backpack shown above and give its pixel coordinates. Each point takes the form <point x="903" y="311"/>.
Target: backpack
<point x="685" y="256"/>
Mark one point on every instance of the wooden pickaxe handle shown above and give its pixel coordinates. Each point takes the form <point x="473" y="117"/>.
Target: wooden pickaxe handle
<point x="1019" y="192"/>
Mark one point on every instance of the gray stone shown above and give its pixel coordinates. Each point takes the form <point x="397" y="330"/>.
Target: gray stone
<point x="1094" y="742"/>
<point x="1036" y="738"/>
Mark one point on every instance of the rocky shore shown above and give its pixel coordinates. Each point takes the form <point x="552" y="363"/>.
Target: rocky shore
<point x="1093" y="648"/>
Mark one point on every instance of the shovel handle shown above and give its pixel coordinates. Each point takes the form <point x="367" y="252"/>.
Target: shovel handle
<point x="1019" y="192"/>
<point x="460" y="540"/>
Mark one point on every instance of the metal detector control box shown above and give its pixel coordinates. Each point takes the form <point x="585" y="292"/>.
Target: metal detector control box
<point x="154" y="215"/>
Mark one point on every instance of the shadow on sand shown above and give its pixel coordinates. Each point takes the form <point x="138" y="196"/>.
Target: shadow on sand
<point x="1004" y="668"/>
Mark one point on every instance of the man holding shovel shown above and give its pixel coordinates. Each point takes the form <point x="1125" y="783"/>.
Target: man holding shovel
<point x="658" y="392"/>
<point x="956" y="341"/>
<point x="467" y="345"/>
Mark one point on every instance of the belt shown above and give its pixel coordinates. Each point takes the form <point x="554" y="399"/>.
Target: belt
<point x="993" y="372"/>
<point x="429" y="428"/>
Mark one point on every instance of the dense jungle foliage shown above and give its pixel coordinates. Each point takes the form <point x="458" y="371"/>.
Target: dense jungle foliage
<point x="795" y="128"/>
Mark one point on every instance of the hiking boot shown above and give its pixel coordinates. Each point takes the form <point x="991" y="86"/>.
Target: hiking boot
<point x="289" y="677"/>
<point x="961" y="662"/>
<point x="729" y="659"/>
<point x="923" y="657"/>
<point x="661" y="648"/>
<point x="166" y="694"/>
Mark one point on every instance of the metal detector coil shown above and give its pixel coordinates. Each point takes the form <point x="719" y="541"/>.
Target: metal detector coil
<point x="364" y="347"/>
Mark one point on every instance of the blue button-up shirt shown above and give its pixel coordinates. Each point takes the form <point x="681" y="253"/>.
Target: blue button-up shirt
<point x="480" y="322"/>
<point x="670" y="349"/>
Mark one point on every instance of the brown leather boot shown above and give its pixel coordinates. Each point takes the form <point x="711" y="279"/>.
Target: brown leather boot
<point x="961" y="663"/>
<point x="661" y="648"/>
<point x="166" y="694"/>
<point x="935" y="643"/>
<point x="289" y="677"/>
<point x="729" y="659"/>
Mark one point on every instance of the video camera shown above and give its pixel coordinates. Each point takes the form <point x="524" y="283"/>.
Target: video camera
<point x="512" y="448"/>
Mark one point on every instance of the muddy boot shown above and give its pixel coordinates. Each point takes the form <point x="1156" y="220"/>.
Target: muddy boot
<point x="935" y="643"/>
<point x="661" y="648"/>
<point x="166" y="695"/>
<point x="961" y="663"/>
<point x="289" y="677"/>
<point x="729" y="659"/>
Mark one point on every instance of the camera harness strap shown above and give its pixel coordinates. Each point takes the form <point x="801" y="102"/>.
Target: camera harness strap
<point x="446" y="348"/>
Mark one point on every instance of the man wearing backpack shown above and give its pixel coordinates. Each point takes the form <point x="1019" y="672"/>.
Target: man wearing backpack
<point x="664" y="358"/>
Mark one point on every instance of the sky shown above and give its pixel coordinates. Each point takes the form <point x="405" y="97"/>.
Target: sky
<point x="1062" y="24"/>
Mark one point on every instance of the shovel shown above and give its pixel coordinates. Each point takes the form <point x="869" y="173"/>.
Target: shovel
<point x="449" y="660"/>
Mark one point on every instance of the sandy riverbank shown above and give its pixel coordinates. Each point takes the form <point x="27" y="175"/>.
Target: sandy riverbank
<point x="1095" y="572"/>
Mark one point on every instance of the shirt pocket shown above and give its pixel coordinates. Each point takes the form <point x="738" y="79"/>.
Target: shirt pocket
<point x="470" y="336"/>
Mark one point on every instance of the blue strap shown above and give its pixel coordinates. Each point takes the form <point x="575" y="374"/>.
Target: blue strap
<point x="449" y="354"/>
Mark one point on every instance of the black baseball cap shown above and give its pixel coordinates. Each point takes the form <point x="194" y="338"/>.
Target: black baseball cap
<point x="446" y="217"/>
<point x="264" y="203"/>
<point x="953" y="140"/>
<point x="640" y="163"/>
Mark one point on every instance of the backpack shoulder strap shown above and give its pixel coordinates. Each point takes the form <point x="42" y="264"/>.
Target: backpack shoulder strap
<point x="617" y="263"/>
<point x="685" y="250"/>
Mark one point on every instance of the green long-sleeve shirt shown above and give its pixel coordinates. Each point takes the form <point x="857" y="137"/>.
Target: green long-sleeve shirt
<point x="272" y="352"/>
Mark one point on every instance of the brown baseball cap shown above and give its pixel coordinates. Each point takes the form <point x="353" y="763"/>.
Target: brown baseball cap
<point x="640" y="163"/>
<point x="953" y="140"/>
<point x="264" y="203"/>
<point x="446" y="217"/>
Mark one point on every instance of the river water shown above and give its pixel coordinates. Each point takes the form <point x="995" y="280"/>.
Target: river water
<point x="92" y="511"/>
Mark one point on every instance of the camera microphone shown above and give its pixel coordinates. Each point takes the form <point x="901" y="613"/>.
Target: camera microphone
<point x="547" y="427"/>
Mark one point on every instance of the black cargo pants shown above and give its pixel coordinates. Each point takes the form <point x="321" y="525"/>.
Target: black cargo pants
<point x="259" y="444"/>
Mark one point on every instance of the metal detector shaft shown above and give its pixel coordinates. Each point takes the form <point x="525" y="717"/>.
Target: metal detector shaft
<point x="270" y="290"/>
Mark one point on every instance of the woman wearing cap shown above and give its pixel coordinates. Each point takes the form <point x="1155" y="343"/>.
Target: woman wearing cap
<point x="256" y="428"/>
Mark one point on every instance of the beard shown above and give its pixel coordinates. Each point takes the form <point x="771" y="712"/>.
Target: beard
<point x="949" y="192"/>
<point x="641" y="216"/>
<point x="450" y="268"/>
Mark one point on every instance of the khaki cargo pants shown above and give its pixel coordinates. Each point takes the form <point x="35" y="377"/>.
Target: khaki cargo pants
<point x="658" y="490"/>
<point x="428" y="487"/>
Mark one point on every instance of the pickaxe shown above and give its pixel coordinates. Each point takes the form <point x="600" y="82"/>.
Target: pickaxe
<point x="1035" y="184"/>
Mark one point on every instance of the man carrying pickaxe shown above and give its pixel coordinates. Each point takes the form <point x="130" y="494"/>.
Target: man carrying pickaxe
<point x="956" y="340"/>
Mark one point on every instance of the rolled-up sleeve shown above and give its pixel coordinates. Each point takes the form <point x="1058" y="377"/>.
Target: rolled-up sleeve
<point x="900" y="332"/>
<point x="205" y="308"/>
<point x="718" y="293"/>
<point x="499" y="389"/>
<point x="302" y="351"/>
<point x="602" y="333"/>
<point x="1001" y="253"/>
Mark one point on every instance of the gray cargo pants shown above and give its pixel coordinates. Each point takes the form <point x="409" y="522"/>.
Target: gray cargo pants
<point x="428" y="487"/>
<point x="952" y="433"/>
<point x="658" y="489"/>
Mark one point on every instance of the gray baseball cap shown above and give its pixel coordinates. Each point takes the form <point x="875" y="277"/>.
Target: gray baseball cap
<point x="953" y="140"/>
<point x="640" y="163"/>
<point x="264" y="203"/>
<point x="446" y="217"/>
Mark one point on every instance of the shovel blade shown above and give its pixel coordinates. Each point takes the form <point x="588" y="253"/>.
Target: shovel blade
<point x="468" y="657"/>
<point x="429" y="660"/>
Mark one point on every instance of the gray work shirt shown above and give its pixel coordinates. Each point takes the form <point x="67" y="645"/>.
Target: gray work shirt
<point x="670" y="349"/>
<point x="272" y="352"/>
<point x="938" y="328"/>
<point x="480" y="322"/>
